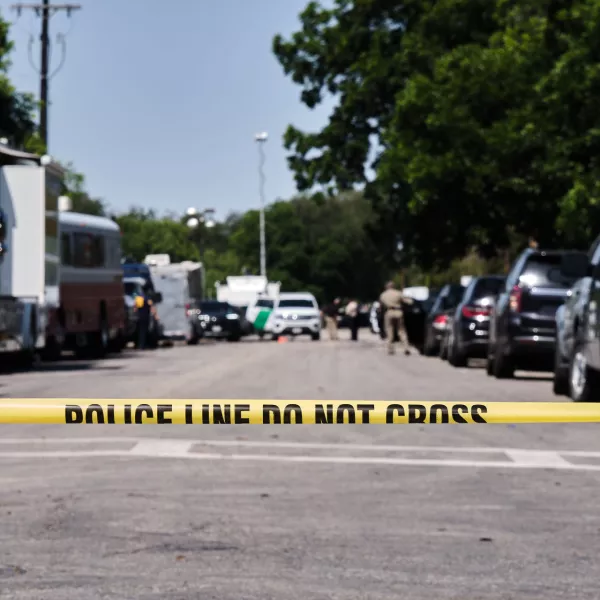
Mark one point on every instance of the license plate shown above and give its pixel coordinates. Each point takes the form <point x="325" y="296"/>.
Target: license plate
<point x="217" y="328"/>
<point x="297" y="330"/>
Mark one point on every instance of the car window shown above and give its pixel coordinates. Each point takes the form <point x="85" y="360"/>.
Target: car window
<point x="452" y="297"/>
<point x="485" y="288"/>
<point x="263" y="303"/>
<point x="544" y="272"/>
<point x="130" y="289"/>
<point x="299" y="303"/>
<point x="214" y="307"/>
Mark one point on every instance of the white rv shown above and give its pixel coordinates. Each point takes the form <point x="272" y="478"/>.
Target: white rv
<point x="30" y="189"/>
<point x="181" y="286"/>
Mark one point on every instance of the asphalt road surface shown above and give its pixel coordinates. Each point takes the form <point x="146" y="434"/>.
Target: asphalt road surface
<point x="273" y="512"/>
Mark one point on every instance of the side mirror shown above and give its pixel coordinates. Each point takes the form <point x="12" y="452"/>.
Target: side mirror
<point x="574" y="265"/>
<point x="157" y="297"/>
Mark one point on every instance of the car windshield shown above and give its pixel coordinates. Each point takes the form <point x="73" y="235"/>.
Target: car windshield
<point x="263" y="303"/>
<point x="544" y="272"/>
<point x="130" y="289"/>
<point x="299" y="303"/>
<point x="214" y="307"/>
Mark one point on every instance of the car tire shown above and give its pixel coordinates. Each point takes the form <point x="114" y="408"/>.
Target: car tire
<point x="101" y="340"/>
<point x="456" y="357"/>
<point x="428" y="346"/>
<point x="443" y="352"/>
<point x="560" y="383"/>
<point x="315" y="337"/>
<point x="194" y="338"/>
<point x="584" y="381"/>
<point x="503" y="366"/>
<point x="234" y="338"/>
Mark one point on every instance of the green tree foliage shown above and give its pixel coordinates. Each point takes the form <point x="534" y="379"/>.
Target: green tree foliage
<point x="81" y="201"/>
<point x="479" y="114"/>
<point x="319" y="246"/>
<point x="17" y="110"/>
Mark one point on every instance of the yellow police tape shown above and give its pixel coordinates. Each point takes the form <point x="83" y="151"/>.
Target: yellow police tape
<point x="273" y="412"/>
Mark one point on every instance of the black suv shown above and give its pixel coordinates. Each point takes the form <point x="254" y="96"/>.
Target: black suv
<point x="212" y="319"/>
<point x="523" y="326"/>
<point x="469" y="329"/>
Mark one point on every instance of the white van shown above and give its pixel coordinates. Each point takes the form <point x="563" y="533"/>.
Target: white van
<point x="296" y="314"/>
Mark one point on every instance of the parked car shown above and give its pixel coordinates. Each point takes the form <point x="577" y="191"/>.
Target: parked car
<point x="214" y="319"/>
<point x="577" y="369"/>
<point x="468" y="329"/>
<point x="568" y="317"/>
<point x="437" y="318"/>
<point x="296" y="314"/>
<point x="522" y="325"/>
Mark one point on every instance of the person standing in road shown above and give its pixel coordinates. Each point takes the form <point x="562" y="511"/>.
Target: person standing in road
<point x="352" y="313"/>
<point x="391" y="301"/>
<point x="330" y="313"/>
<point x="144" y="310"/>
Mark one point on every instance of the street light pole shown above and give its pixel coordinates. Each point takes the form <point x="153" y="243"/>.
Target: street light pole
<point x="194" y="219"/>
<point x="260" y="139"/>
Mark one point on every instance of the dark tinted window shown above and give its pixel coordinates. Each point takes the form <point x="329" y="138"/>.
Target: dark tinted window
<point x="451" y="296"/>
<point x="486" y="287"/>
<point x="544" y="272"/>
<point x="130" y="289"/>
<point x="214" y="307"/>
<point x="264" y="303"/>
<point x="65" y="249"/>
<point x="89" y="250"/>
<point x="296" y="304"/>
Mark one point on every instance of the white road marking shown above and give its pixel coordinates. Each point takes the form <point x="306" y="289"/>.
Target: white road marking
<point x="537" y="457"/>
<point x="272" y="444"/>
<point x="158" y="447"/>
<point x="155" y="449"/>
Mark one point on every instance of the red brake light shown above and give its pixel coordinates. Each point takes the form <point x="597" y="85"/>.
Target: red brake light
<point x="441" y="319"/>
<point x="515" y="299"/>
<point x="470" y="312"/>
<point x="188" y="308"/>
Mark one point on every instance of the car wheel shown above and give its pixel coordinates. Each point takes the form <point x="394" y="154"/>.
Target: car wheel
<point x="429" y="345"/>
<point x="456" y="356"/>
<point x="234" y="338"/>
<point x="315" y="337"/>
<point x="560" y="383"/>
<point x="443" y="352"/>
<point x="503" y="366"/>
<point x="193" y="339"/>
<point x="584" y="381"/>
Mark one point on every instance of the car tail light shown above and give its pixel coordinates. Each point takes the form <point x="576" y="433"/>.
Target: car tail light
<point x="441" y="320"/>
<point x="188" y="309"/>
<point x="470" y="312"/>
<point x="515" y="299"/>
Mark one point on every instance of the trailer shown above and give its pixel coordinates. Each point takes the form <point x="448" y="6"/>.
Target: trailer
<point x="31" y="190"/>
<point x="181" y="287"/>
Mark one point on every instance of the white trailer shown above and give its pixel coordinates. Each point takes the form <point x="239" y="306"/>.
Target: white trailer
<point x="30" y="193"/>
<point x="181" y="286"/>
<point x="242" y="291"/>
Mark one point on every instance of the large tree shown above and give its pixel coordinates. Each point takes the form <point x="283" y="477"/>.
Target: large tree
<point x="464" y="109"/>
<point x="17" y="110"/>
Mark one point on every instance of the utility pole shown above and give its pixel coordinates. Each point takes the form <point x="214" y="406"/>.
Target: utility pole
<point x="45" y="10"/>
<point x="260" y="139"/>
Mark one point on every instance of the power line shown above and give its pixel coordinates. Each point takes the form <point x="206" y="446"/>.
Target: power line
<point x="45" y="10"/>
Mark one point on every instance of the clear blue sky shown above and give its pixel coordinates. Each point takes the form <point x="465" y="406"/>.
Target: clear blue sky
<point x="158" y="101"/>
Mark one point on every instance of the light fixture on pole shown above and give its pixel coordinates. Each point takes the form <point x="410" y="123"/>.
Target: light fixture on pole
<point x="195" y="218"/>
<point x="260" y="139"/>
